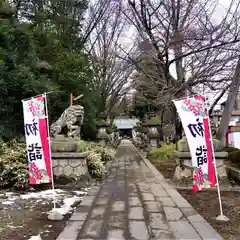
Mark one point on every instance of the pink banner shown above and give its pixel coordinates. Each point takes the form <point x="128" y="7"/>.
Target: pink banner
<point x="36" y="133"/>
<point x="211" y="168"/>
<point x="194" y="117"/>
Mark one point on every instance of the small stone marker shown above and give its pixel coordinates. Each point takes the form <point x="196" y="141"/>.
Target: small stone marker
<point x="54" y="215"/>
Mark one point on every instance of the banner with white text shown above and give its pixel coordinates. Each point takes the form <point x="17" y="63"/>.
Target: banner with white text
<point x="36" y="133"/>
<point x="194" y="117"/>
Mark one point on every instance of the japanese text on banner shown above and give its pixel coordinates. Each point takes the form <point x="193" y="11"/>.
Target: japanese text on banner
<point x="194" y="117"/>
<point x="36" y="134"/>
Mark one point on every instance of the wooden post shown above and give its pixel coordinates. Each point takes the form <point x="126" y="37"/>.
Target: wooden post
<point x="71" y="99"/>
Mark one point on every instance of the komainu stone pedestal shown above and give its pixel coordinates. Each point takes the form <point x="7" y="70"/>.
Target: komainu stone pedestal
<point x="184" y="167"/>
<point x="66" y="161"/>
<point x="70" y="165"/>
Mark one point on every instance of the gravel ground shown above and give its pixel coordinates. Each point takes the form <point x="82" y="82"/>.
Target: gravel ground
<point x="206" y="203"/>
<point x="23" y="215"/>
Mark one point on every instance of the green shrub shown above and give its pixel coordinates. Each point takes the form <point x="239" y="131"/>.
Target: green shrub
<point x="111" y="129"/>
<point x="3" y="147"/>
<point x="165" y="152"/>
<point x="95" y="165"/>
<point x="102" y="135"/>
<point x="14" y="168"/>
<point x="156" y="135"/>
<point x="152" y="122"/>
<point x="85" y="146"/>
<point x="105" y="154"/>
<point x="97" y="157"/>
<point x="101" y="123"/>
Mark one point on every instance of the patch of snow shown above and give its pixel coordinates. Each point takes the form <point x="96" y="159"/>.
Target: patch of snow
<point x="67" y="206"/>
<point x="38" y="237"/>
<point x="13" y="198"/>
<point x="82" y="193"/>
<point x="8" y="202"/>
<point x="47" y="194"/>
<point x="72" y="200"/>
<point x="13" y="227"/>
<point x="9" y="194"/>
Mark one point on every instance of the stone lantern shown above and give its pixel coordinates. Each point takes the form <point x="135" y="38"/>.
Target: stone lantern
<point x="154" y="134"/>
<point x="102" y="134"/>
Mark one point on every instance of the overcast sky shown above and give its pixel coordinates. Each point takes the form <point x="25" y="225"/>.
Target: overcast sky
<point x="220" y="12"/>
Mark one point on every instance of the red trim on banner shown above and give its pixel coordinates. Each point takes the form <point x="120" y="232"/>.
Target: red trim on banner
<point x="211" y="168"/>
<point x="45" y="146"/>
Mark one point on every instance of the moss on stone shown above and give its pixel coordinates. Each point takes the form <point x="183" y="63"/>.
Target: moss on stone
<point x="70" y="146"/>
<point x="182" y="145"/>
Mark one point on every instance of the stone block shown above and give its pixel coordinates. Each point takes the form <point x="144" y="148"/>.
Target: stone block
<point x="136" y="213"/>
<point x="87" y="201"/>
<point x="116" y="221"/>
<point x="184" y="230"/>
<point x="134" y="201"/>
<point x="148" y="197"/>
<point x="67" y="171"/>
<point x="54" y="163"/>
<point x="74" y="162"/>
<point x="58" y="170"/>
<point x="172" y="213"/>
<point x="157" y="221"/>
<point x="116" y="234"/>
<point x="78" y="216"/>
<point x="97" y="211"/>
<point x="93" y="228"/>
<point x="166" y="201"/>
<point x="178" y="199"/>
<point x="162" y="235"/>
<point x="152" y="206"/>
<point x="138" y="230"/>
<point x="118" y="206"/>
<point x="71" y="231"/>
<point x="205" y="230"/>
<point x="102" y="201"/>
<point x="79" y="171"/>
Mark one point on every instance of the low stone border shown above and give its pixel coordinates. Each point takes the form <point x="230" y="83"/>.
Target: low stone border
<point x="224" y="189"/>
<point x="233" y="172"/>
<point x="75" y="223"/>
<point x="202" y="227"/>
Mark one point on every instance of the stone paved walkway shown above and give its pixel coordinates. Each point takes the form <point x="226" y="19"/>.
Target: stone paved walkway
<point x="135" y="203"/>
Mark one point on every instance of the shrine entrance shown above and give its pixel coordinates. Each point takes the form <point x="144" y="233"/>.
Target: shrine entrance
<point x="125" y="126"/>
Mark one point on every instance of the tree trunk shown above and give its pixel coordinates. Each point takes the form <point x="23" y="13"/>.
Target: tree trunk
<point x="227" y="112"/>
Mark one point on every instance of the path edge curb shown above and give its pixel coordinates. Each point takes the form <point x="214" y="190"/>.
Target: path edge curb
<point x="201" y="226"/>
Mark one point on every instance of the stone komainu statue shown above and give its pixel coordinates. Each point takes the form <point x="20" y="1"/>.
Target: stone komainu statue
<point x="71" y="120"/>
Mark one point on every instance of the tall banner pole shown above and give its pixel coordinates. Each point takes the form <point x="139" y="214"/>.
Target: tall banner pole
<point x="194" y="115"/>
<point x="221" y="217"/>
<point x="50" y="152"/>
